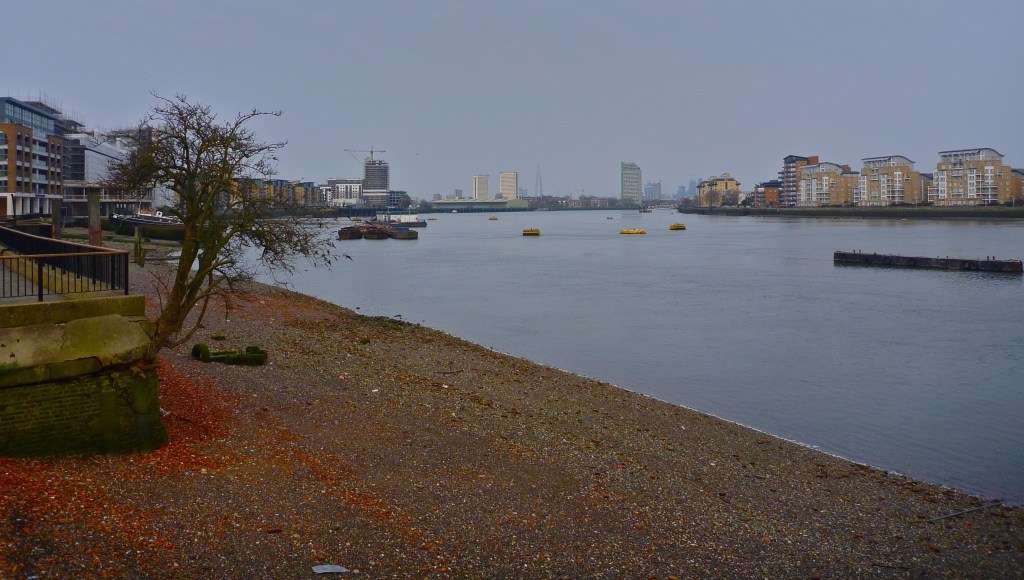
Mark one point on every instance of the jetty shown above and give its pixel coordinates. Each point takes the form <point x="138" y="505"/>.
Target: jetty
<point x="962" y="264"/>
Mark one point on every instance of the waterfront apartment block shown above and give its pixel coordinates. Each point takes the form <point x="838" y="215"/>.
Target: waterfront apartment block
<point x="888" y="180"/>
<point x="766" y="193"/>
<point x="342" y="192"/>
<point x="789" y="176"/>
<point x="630" y="183"/>
<point x="715" y="191"/>
<point x="972" y="177"/>
<point x="508" y="185"/>
<point x="31" y="158"/>
<point x="825" y="183"/>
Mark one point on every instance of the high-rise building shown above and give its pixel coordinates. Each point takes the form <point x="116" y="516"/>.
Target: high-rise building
<point x="508" y="185"/>
<point x="480" y="187"/>
<point x="376" y="175"/>
<point x="714" y="191"/>
<point x="888" y="180"/>
<point x="31" y="158"/>
<point x="792" y="166"/>
<point x="630" y="181"/>
<point x="457" y="194"/>
<point x="972" y="177"/>
<point x="693" y="187"/>
<point x="652" y="190"/>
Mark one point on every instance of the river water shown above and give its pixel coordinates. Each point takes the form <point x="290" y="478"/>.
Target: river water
<point x="746" y="318"/>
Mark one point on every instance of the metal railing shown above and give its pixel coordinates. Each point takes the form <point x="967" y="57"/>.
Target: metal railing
<point x="39" y="266"/>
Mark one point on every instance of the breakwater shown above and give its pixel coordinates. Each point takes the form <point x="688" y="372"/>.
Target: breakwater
<point x="961" y="264"/>
<point x="991" y="212"/>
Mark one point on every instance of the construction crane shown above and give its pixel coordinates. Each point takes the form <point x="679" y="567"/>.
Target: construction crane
<point x="371" y="151"/>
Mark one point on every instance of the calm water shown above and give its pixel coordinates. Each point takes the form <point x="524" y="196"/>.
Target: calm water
<point x="745" y="318"/>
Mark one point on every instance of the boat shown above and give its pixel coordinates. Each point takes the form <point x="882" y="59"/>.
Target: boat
<point x="350" y="233"/>
<point x="677" y="227"/>
<point x="645" y="210"/>
<point x="493" y="218"/>
<point x="608" y="217"/>
<point x="405" y="221"/>
<point x="431" y="219"/>
<point x="402" y="233"/>
<point x="531" y="231"/>
<point x="632" y="231"/>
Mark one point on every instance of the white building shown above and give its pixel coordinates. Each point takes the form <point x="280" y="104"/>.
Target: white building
<point x="508" y="185"/>
<point x="343" y="192"/>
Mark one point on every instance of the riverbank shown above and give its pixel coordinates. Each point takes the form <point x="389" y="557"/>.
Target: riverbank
<point x="394" y="449"/>
<point x="972" y="212"/>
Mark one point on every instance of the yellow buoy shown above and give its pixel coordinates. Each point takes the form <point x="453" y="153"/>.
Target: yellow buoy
<point x="531" y="232"/>
<point x="677" y="227"/>
<point x="633" y="231"/>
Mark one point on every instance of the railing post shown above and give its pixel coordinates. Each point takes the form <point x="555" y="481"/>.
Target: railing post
<point x="126" y="266"/>
<point x="39" y="278"/>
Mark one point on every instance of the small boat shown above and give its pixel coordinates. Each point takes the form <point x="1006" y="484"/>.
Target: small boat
<point x="531" y="231"/>
<point x="677" y="227"/>
<point x="431" y="219"/>
<point x="402" y="233"/>
<point x="350" y="233"/>
<point x="645" y="210"/>
<point x="493" y="218"/>
<point x="608" y="217"/>
<point x="633" y="231"/>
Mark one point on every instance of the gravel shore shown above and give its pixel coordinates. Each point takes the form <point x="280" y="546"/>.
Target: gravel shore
<point x="394" y="449"/>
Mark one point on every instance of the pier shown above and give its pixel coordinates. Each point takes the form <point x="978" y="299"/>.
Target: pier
<point x="961" y="264"/>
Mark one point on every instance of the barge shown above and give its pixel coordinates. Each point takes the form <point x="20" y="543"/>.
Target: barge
<point x="957" y="264"/>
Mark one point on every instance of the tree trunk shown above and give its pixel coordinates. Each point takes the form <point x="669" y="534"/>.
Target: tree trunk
<point x="55" y="219"/>
<point x="95" y="233"/>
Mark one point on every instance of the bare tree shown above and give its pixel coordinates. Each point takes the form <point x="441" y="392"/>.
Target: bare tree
<point x="233" y="224"/>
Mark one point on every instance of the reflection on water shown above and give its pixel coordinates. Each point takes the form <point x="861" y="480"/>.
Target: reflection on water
<point x="917" y="371"/>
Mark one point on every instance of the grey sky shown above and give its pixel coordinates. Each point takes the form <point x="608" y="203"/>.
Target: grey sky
<point x="455" y="88"/>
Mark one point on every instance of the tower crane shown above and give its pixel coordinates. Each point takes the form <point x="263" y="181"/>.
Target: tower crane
<point x="371" y="151"/>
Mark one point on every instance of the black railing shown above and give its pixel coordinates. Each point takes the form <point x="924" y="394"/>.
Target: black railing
<point x="38" y="266"/>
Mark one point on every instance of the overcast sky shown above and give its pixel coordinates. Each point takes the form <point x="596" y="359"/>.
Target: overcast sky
<point x="450" y="89"/>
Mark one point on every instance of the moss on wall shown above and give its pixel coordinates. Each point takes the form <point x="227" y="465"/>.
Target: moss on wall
<point x="116" y="411"/>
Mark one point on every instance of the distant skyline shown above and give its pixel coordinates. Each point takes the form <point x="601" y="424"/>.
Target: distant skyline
<point x="454" y="89"/>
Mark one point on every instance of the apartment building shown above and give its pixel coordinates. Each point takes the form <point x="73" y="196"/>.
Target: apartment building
<point x="343" y="192"/>
<point x="630" y="183"/>
<point x="714" y="191"/>
<point x="972" y="177"/>
<point x="825" y="183"/>
<point x="31" y="158"/>
<point x="766" y="193"/>
<point x="789" y="176"/>
<point x="888" y="180"/>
